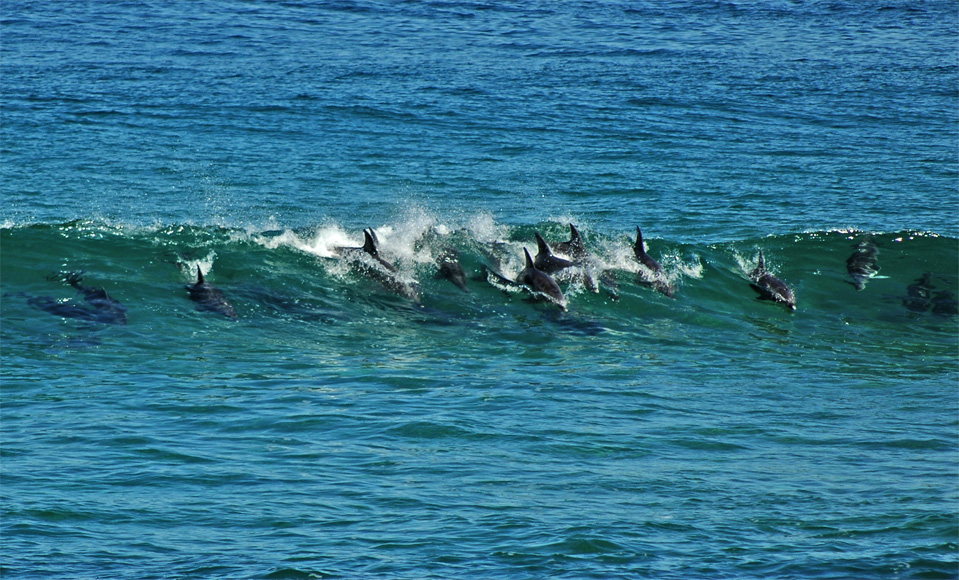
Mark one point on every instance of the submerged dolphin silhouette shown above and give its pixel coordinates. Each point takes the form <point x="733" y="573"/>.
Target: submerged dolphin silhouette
<point x="209" y="298"/>
<point x="451" y="269"/>
<point x="944" y="303"/>
<point x="919" y="294"/>
<point x="862" y="264"/>
<point x="770" y="287"/>
<point x="97" y="306"/>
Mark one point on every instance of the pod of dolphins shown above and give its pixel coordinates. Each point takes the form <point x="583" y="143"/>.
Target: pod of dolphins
<point x="536" y="278"/>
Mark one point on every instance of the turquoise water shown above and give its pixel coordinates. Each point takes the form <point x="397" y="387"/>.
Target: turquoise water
<point x="339" y="428"/>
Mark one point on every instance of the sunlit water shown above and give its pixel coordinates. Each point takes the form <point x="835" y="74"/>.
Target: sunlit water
<point x="357" y="424"/>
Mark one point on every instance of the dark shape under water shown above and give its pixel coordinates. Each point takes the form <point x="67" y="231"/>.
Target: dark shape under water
<point x="97" y="305"/>
<point x="862" y="264"/>
<point x="945" y="303"/>
<point x="654" y="275"/>
<point x="209" y="298"/>
<point x="770" y="287"/>
<point x="451" y="269"/>
<point x="919" y="294"/>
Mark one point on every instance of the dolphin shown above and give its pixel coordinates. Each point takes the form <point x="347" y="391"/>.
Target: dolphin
<point x="574" y="248"/>
<point x="770" y="287"/>
<point x="945" y="303"/>
<point x="643" y="258"/>
<point x="369" y="247"/>
<point x="610" y="284"/>
<point x="540" y="282"/>
<point x="209" y="298"/>
<point x="451" y="269"/>
<point x="862" y="265"/>
<point x="546" y="261"/>
<point x="497" y="279"/>
<point x="382" y="270"/>
<point x="370" y="243"/>
<point x="97" y="306"/>
<point x="919" y="294"/>
<point x="654" y="275"/>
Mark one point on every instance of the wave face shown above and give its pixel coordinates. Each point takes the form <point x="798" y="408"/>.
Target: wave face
<point x="282" y="274"/>
<point x="343" y="408"/>
<point x="312" y="411"/>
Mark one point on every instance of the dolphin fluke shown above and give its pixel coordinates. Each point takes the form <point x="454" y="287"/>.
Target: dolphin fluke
<point x="497" y="279"/>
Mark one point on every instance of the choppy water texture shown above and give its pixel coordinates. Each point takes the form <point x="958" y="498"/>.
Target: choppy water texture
<point x="358" y="422"/>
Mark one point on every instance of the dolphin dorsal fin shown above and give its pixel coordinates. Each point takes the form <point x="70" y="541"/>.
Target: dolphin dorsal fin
<point x="762" y="262"/>
<point x="639" y="241"/>
<point x="199" y="275"/>
<point x="529" y="259"/>
<point x="369" y="245"/>
<point x="543" y="246"/>
<point x="574" y="234"/>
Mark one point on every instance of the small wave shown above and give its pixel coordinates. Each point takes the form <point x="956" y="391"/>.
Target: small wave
<point x="710" y="277"/>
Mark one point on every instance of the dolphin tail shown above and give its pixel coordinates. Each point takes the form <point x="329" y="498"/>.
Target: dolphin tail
<point x="492" y="275"/>
<point x="71" y="278"/>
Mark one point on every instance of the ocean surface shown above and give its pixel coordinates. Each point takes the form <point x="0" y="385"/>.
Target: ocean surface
<point x="328" y="414"/>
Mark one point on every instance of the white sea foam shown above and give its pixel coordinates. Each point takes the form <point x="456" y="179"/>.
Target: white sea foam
<point x="188" y="268"/>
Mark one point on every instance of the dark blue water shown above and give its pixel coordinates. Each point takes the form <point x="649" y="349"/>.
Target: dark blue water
<point x="355" y="422"/>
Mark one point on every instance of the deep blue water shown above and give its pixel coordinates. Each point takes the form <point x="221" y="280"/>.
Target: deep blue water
<point x="353" y="422"/>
